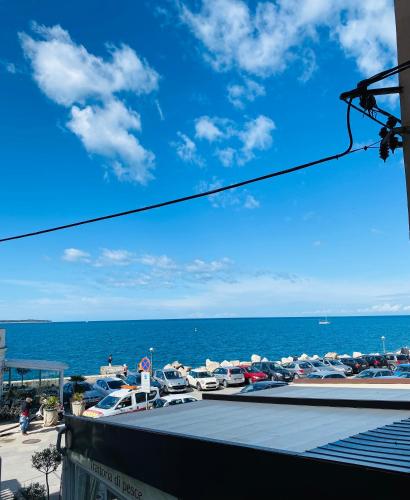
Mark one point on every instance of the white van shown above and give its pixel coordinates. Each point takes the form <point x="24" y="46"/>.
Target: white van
<point x="125" y="400"/>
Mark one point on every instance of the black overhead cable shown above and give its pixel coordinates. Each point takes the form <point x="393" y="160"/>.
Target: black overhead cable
<point x="203" y="194"/>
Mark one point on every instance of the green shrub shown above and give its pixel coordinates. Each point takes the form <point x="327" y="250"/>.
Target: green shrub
<point x="34" y="491"/>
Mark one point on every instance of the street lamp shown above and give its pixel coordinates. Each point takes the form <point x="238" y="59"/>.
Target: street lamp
<point x="383" y="338"/>
<point x="151" y="352"/>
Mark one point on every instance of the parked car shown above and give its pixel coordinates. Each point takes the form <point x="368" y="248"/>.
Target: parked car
<point x="229" y="375"/>
<point x="122" y="401"/>
<point x="202" y="380"/>
<point x="375" y="360"/>
<point x="134" y="378"/>
<point x="172" y="400"/>
<point x="252" y="374"/>
<point x="173" y="381"/>
<point x="261" y="386"/>
<point x="326" y="374"/>
<point x="298" y="369"/>
<point x="374" y="372"/>
<point x="402" y="369"/>
<point x="107" y="385"/>
<point x="318" y="366"/>
<point x="90" y="395"/>
<point x="394" y="360"/>
<point x="356" y="364"/>
<point x="336" y="364"/>
<point x="274" y="371"/>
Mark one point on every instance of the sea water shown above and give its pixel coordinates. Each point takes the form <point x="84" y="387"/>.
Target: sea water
<point x="85" y="346"/>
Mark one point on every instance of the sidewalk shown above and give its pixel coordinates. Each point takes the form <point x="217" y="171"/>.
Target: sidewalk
<point x="16" y="451"/>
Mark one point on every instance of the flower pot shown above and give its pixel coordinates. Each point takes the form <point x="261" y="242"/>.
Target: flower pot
<point x="77" y="408"/>
<point x="50" y="417"/>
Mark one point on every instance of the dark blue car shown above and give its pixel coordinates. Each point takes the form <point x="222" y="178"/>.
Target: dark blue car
<point x="90" y="395"/>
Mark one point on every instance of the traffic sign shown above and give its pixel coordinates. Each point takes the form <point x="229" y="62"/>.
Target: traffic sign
<point x="146" y="364"/>
<point x="146" y="382"/>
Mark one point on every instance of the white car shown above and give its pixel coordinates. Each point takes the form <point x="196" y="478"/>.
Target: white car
<point x="125" y="400"/>
<point x="202" y="380"/>
<point x="172" y="400"/>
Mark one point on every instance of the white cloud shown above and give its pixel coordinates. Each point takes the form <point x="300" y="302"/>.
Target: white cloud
<point x="251" y="202"/>
<point x="201" y="266"/>
<point x="118" y="257"/>
<point x="106" y="131"/>
<point x="230" y="198"/>
<point x="158" y="261"/>
<point x="253" y="135"/>
<point x="75" y="255"/>
<point x="186" y="149"/>
<point x="238" y="94"/>
<point x="205" y="128"/>
<point x="256" y="135"/>
<point x="266" y="39"/>
<point x="226" y="156"/>
<point x="73" y="77"/>
<point x="159" y="109"/>
<point x="67" y="73"/>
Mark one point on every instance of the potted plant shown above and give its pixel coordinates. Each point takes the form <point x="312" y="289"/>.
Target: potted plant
<point x="77" y="404"/>
<point x="50" y="409"/>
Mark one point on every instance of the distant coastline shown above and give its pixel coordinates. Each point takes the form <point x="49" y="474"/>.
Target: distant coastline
<point x="25" y="321"/>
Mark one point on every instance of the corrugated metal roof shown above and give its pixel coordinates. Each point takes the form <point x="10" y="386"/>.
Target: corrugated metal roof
<point x="386" y="447"/>
<point x="273" y="426"/>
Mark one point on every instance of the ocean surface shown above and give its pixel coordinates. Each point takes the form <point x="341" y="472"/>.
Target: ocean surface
<point x="85" y="346"/>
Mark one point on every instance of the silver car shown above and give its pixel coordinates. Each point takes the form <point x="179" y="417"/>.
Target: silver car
<point x="322" y="374"/>
<point x="337" y="365"/>
<point x="172" y="380"/>
<point x="229" y="375"/>
<point x="107" y="385"/>
<point x="299" y="369"/>
<point x="319" y="366"/>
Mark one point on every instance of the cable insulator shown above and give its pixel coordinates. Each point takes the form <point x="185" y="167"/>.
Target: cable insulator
<point x="393" y="143"/>
<point x="391" y="122"/>
<point x="384" y="151"/>
<point x="383" y="132"/>
<point x="367" y="101"/>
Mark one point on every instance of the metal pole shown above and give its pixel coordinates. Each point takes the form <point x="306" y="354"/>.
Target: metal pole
<point x="151" y="352"/>
<point x="402" y="11"/>
<point x="383" y="338"/>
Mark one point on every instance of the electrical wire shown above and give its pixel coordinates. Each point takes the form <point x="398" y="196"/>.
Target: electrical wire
<point x="203" y="194"/>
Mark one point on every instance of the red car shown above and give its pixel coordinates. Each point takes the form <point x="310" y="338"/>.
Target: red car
<point x="252" y="374"/>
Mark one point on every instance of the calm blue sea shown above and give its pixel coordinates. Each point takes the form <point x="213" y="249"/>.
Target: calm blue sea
<point x="84" y="346"/>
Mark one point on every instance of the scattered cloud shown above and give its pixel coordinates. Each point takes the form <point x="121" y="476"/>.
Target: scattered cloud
<point x="230" y="198"/>
<point x="205" y="128"/>
<point x="158" y="261"/>
<point x="75" y="255"/>
<point x="265" y="38"/>
<point x="201" y="266"/>
<point x="237" y="144"/>
<point x="159" y="109"/>
<point x="251" y="202"/>
<point x="186" y="149"/>
<point x="317" y="243"/>
<point x="240" y="94"/>
<point x="256" y="135"/>
<point x="114" y="257"/>
<point x="106" y="130"/>
<point x="73" y="77"/>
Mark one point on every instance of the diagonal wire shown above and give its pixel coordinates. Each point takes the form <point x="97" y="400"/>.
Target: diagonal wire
<point x="203" y="194"/>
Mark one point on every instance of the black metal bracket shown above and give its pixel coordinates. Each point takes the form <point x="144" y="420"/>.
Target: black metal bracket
<point x="362" y="90"/>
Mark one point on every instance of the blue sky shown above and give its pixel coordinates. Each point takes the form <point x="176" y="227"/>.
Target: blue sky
<point x="108" y="107"/>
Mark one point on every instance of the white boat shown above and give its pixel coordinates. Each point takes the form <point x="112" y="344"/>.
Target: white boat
<point x="324" y="321"/>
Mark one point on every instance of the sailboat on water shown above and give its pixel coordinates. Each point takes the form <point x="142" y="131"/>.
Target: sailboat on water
<point x="324" y="321"/>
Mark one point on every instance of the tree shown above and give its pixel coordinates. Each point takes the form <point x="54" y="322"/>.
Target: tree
<point x="46" y="461"/>
<point x="76" y="380"/>
<point x="22" y="372"/>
